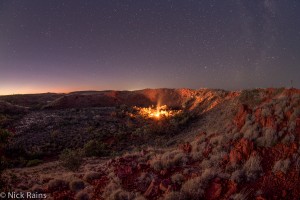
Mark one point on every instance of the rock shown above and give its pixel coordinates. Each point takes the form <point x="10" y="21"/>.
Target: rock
<point x="152" y="189"/>
<point x="124" y="171"/>
<point x="231" y="189"/>
<point x="240" y="118"/>
<point x="186" y="148"/>
<point x="207" y="150"/>
<point x="242" y="150"/>
<point x="214" y="190"/>
<point x="165" y="185"/>
<point x="284" y="193"/>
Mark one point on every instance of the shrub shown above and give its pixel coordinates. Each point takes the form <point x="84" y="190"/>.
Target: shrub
<point x="281" y="165"/>
<point x="139" y="197"/>
<point x="236" y="136"/>
<point x="278" y="91"/>
<point x="205" y="164"/>
<point x="297" y="163"/>
<point x="252" y="168"/>
<point x="177" y="178"/>
<point x="112" y="186"/>
<point x="198" y="146"/>
<point x="251" y="134"/>
<point x="156" y="164"/>
<point x="89" y="177"/>
<point x="217" y="156"/>
<point x="196" y="156"/>
<point x="121" y="194"/>
<point x="219" y="140"/>
<point x="4" y="136"/>
<point x="57" y="184"/>
<point x="241" y="195"/>
<point x="32" y="163"/>
<point x="295" y="114"/>
<point x="173" y="196"/>
<point x="76" y="185"/>
<point x="238" y="176"/>
<point x="288" y="139"/>
<point x="292" y="127"/>
<point x="82" y="195"/>
<point x="37" y="189"/>
<point x="208" y="175"/>
<point x="169" y="160"/>
<point x="268" y="139"/>
<point x="250" y="97"/>
<point x="71" y="159"/>
<point x="192" y="189"/>
<point x="266" y="112"/>
<point x="95" y="148"/>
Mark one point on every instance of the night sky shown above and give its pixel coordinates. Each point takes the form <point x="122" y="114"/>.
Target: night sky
<point x="62" y="46"/>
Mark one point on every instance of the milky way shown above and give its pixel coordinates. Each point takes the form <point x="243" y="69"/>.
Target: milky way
<point x="70" y="45"/>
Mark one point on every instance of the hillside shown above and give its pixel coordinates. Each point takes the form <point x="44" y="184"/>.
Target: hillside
<point x="210" y="144"/>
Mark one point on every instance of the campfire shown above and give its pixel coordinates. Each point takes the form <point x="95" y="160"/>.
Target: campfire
<point x="156" y="112"/>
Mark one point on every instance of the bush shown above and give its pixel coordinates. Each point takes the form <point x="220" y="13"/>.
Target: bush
<point x="292" y="127"/>
<point x="76" y="185"/>
<point x="219" y="140"/>
<point x="57" y="184"/>
<point x="243" y="195"/>
<point x="121" y="194"/>
<point x="192" y="189"/>
<point x="32" y="163"/>
<point x="268" y="139"/>
<point x="295" y="114"/>
<point x="251" y="134"/>
<point x="297" y="163"/>
<point x="266" y="112"/>
<point x="71" y="159"/>
<point x="252" y="168"/>
<point x="208" y="175"/>
<point x="37" y="189"/>
<point x="4" y="136"/>
<point x="238" y="176"/>
<point x="89" y="177"/>
<point x="95" y="148"/>
<point x="174" y="196"/>
<point x="288" y="139"/>
<point x="177" y="178"/>
<point x="205" y="164"/>
<point x="169" y="160"/>
<point x="250" y="97"/>
<point x="281" y="165"/>
<point x="82" y="195"/>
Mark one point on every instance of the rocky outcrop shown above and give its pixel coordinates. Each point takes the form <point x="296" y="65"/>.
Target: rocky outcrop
<point x="241" y="151"/>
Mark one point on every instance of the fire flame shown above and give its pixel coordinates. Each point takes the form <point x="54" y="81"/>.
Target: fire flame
<point x="156" y="113"/>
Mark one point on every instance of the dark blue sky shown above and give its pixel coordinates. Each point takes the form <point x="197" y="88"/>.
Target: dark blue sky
<point x="61" y="45"/>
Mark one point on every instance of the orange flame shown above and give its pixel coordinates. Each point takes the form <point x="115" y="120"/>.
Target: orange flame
<point x="157" y="113"/>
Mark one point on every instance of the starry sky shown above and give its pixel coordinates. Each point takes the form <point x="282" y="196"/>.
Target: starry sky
<point x="68" y="45"/>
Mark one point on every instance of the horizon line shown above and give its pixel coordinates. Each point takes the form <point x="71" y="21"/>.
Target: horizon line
<point x="105" y="90"/>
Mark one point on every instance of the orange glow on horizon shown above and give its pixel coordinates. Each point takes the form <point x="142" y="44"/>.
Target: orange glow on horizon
<point x="25" y="90"/>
